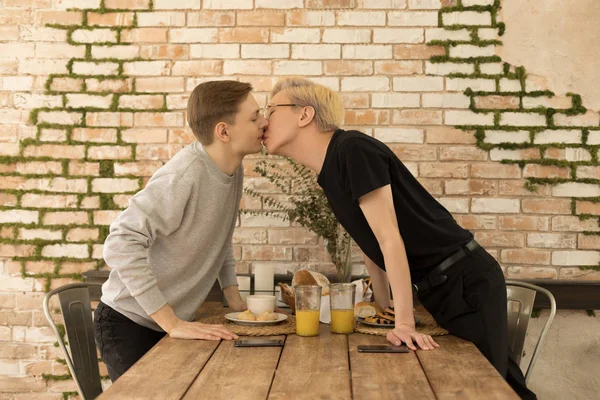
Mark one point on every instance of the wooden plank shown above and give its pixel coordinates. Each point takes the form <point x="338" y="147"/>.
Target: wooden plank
<point x="458" y="370"/>
<point x="386" y="376"/>
<point x="237" y="372"/>
<point x="313" y="368"/>
<point x="165" y="372"/>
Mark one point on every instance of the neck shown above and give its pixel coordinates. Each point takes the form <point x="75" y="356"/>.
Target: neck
<point x="224" y="158"/>
<point x="309" y="149"/>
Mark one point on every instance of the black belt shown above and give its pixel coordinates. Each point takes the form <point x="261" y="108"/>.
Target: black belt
<point x="434" y="277"/>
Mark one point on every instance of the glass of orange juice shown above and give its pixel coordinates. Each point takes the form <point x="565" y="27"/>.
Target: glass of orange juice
<point x="341" y="300"/>
<point x="308" y="309"/>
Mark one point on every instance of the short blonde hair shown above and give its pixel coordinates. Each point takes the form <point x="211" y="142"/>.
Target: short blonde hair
<point x="329" y="110"/>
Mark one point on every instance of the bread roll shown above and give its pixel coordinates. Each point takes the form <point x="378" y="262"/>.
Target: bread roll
<point x="366" y="309"/>
<point x="306" y="277"/>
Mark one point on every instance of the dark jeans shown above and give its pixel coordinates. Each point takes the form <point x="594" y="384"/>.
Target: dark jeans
<point x="471" y="304"/>
<point x="121" y="341"/>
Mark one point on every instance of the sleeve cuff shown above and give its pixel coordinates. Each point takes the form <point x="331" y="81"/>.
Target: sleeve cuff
<point x="151" y="300"/>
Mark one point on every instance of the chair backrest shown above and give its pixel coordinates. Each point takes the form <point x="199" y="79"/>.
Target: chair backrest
<point x="520" y="300"/>
<point x="77" y="312"/>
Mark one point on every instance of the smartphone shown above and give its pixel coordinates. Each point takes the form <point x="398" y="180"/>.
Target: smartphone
<point x="382" y="349"/>
<point x="258" y="343"/>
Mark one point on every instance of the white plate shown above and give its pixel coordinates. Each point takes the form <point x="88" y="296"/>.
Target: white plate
<point x="233" y="318"/>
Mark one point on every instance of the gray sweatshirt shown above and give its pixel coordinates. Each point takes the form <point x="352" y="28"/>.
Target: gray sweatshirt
<point x="174" y="240"/>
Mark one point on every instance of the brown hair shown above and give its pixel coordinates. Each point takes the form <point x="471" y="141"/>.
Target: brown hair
<point x="213" y="102"/>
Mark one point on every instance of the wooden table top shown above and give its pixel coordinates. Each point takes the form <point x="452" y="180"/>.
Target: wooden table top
<point x="327" y="366"/>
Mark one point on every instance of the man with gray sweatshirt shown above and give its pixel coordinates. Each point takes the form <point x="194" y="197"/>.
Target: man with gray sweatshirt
<point x="167" y="249"/>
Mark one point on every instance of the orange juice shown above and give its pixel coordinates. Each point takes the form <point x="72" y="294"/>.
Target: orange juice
<point x="342" y="321"/>
<point x="307" y="322"/>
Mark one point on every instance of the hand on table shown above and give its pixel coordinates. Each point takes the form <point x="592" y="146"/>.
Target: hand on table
<point x="198" y="330"/>
<point x="406" y="333"/>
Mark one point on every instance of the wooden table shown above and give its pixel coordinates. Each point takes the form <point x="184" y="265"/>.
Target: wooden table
<point x="324" y="367"/>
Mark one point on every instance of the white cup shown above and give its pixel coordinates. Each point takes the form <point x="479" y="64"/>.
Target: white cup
<point x="259" y="303"/>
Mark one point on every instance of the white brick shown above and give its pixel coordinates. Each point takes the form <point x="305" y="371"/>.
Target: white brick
<point x="226" y="4"/>
<point x="366" y="84"/>
<point x="86" y="100"/>
<point x="57" y="185"/>
<point x="399" y="135"/>
<point x="413" y="18"/>
<point x="455" y="204"/>
<point x="445" y="100"/>
<point x="311" y="51"/>
<point x="510" y="85"/>
<point x="332" y="83"/>
<point x="398" y="35"/>
<point x="444" y="34"/>
<point x="29" y="101"/>
<point x="248" y="220"/>
<point x="43" y="67"/>
<point x="138" y="102"/>
<point x="58" y="50"/>
<point x="254" y="67"/>
<point x="448" y="68"/>
<point x="579" y="258"/>
<point x="17" y="50"/>
<point x="313" y="18"/>
<point x="488" y="33"/>
<point x="42" y="34"/>
<point x="522" y="119"/>
<point x="120" y="52"/>
<point x="66" y="250"/>
<point x="571" y="189"/>
<point x="461" y="84"/>
<point x="194" y="35"/>
<point x="215" y="51"/>
<point x="557" y="136"/>
<point x="576" y="155"/>
<point x="591" y="118"/>
<point x="467" y="18"/>
<point x="469" y="51"/>
<point x="468" y="118"/>
<point x="64" y="4"/>
<point x="296" y="35"/>
<point x="468" y="3"/>
<point x="60" y="117"/>
<point x="297" y="68"/>
<point x="395" y="100"/>
<point x="17" y="83"/>
<point x="146" y="68"/>
<point x="19" y="216"/>
<point x="491" y="68"/>
<point x="424" y="4"/>
<point x="381" y="4"/>
<point x="361" y="18"/>
<point x="495" y="137"/>
<point x="490" y="205"/>
<point x="178" y="5"/>
<point x="594" y="137"/>
<point x="346" y="36"/>
<point x="148" y="19"/>
<point x="45" y="234"/>
<point x="110" y="185"/>
<point x="588" y="172"/>
<point x="279" y="4"/>
<point x="94" y="36"/>
<point x="551" y="240"/>
<point x="418" y="84"/>
<point x="90" y="68"/>
<point x="16" y="284"/>
<point x="367" y="52"/>
<point x="550" y="102"/>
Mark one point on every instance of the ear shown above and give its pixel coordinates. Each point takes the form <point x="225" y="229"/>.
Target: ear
<point x="307" y="116"/>
<point x="221" y="132"/>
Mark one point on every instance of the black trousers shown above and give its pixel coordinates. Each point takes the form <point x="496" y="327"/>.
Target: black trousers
<point x="471" y="305"/>
<point x="121" y="341"/>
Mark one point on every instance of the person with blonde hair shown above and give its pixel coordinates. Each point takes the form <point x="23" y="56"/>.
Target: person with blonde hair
<point x="410" y="241"/>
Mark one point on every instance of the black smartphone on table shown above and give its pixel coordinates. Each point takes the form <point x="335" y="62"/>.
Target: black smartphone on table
<point x="258" y="343"/>
<point x="382" y="349"/>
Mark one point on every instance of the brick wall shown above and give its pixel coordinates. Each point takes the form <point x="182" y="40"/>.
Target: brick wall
<point x="93" y="101"/>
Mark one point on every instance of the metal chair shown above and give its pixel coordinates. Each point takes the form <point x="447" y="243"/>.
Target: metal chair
<point x="521" y="296"/>
<point x="77" y="312"/>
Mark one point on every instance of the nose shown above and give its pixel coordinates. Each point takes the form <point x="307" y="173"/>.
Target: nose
<point x="264" y="124"/>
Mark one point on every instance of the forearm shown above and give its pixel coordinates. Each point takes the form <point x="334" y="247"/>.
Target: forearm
<point x="381" y="285"/>
<point x="165" y="318"/>
<point x="232" y="294"/>
<point x="398" y="274"/>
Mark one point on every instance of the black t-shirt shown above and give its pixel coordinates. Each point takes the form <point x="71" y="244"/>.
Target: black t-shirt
<point x="356" y="164"/>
